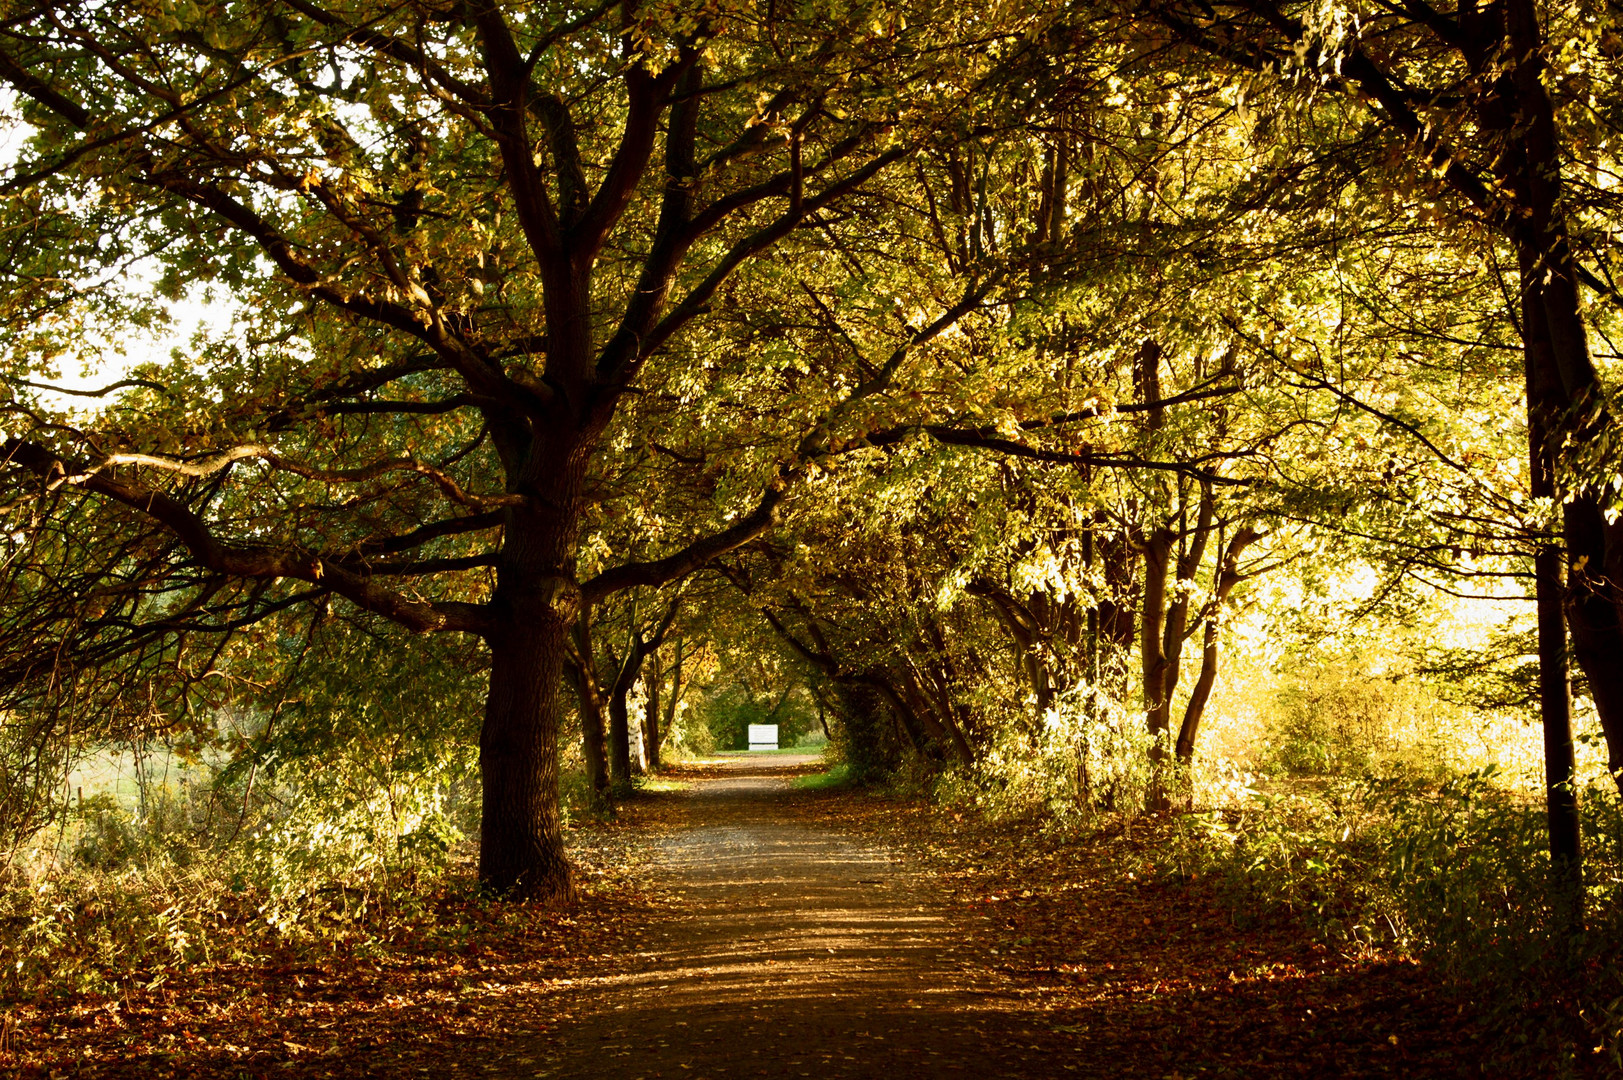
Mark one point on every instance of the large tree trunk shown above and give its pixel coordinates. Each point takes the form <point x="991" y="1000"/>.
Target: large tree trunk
<point x="538" y="604"/>
<point x="521" y="840"/>
<point x="1594" y="546"/>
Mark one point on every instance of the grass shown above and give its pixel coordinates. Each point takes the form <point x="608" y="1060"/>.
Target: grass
<point x="779" y="750"/>
<point x="837" y="776"/>
<point x="660" y="783"/>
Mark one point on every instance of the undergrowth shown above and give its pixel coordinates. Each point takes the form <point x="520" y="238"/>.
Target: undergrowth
<point x="1457" y="874"/>
<point x="123" y="900"/>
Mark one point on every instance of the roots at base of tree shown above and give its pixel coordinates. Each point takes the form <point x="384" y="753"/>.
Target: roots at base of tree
<point x="551" y="885"/>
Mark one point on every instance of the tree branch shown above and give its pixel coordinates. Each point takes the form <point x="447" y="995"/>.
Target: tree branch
<point x="212" y="464"/>
<point x="690" y="558"/>
<point x="258" y="561"/>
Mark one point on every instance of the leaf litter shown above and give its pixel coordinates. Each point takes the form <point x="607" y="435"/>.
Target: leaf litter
<point x="1072" y="952"/>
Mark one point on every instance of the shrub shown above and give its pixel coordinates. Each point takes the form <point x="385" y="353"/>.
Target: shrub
<point x="1457" y="873"/>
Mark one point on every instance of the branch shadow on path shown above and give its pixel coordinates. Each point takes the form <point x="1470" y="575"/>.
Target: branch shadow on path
<point x="797" y="942"/>
<point x="794" y="948"/>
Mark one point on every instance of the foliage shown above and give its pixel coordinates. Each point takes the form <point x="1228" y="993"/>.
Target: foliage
<point x="139" y="899"/>
<point x="314" y="819"/>
<point x="161" y="966"/>
<point x="1456" y="873"/>
<point x="726" y="712"/>
<point x="1074" y="411"/>
<point x="1333" y="717"/>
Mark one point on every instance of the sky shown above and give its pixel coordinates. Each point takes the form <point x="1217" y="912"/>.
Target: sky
<point x="115" y="358"/>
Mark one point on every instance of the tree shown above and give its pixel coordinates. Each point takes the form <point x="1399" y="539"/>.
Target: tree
<point x="1471" y="105"/>
<point x="624" y="665"/>
<point x="458" y="236"/>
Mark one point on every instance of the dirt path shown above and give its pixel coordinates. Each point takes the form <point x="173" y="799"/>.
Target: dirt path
<point x="743" y="928"/>
<point x="794" y="948"/>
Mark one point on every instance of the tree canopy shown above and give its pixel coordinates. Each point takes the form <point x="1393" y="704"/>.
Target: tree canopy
<point x="972" y="363"/>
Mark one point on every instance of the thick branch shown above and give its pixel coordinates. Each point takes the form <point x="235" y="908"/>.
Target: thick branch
<point x="702" y="293"/>
<point x="509" y="82"/>
<point x="434" y="530"/>
<point x="646" y="98"/>
<point x="212" y="464"/>
<point x="257" y="561"/>
<point x="981" y="441"/>
<point x="690" y="558"/>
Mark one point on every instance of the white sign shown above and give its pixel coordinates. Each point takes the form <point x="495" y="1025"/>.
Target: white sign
<point x="763" y="736"/>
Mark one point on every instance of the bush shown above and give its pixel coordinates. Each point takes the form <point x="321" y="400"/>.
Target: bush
<point x="1340" y="717"/>
<point x="126" y="898"/>
<point x="1084" y="765"/>
<point x="1457" y="873"/>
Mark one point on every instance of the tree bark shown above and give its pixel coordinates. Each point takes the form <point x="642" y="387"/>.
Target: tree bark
<point x="521" y="847"/>
<point x="651" y="733"/>
<point x="1594" y="546"/>
<point x="934" y="688"/>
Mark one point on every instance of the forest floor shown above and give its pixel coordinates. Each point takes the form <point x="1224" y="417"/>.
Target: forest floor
<point x="739" y="926"/>
<point x="833" y="933"/>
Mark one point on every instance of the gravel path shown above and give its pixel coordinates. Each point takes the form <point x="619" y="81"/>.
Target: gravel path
<point x="795" y="949"/>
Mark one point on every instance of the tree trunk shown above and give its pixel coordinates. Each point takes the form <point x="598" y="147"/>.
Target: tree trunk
<point x="651" y="733"/>
<point x="1192" y="552"/>
<point x="935" y="688"/>
<point x="1152" y="648"/>
<point x="593" y="742"/>
<point x="1228" y="576"/>
<point x="1195" y="711"/>
<point x="906" y="720"/>
<point x="1023" y="631"/>
<point x="937" y="723"/>
<point x="620" y="733"/>
<point x="626" y="676"/>
<point x="521" y="840"/>
<point x="677" y="688"/>
<point x="1594" y="546"/>
<point x="1154" y="661"/>
<point x="1544" y="408"/>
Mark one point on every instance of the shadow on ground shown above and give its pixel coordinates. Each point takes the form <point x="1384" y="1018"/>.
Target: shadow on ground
<point x="798" y="943"/>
